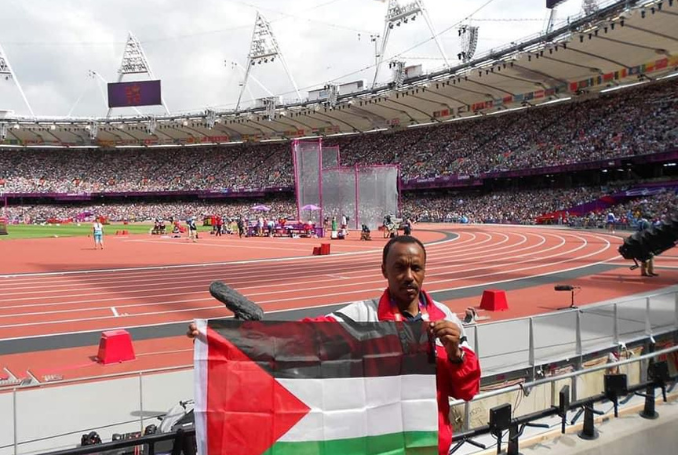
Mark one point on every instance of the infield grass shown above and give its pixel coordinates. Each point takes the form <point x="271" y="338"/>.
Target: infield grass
<point x="31" y="231"/>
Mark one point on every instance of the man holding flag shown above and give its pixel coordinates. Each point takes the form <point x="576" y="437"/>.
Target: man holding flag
<point x="457" y="370"/>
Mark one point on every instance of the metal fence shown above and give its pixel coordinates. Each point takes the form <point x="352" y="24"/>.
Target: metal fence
<point x="183" y="442"/>
<point x="533" y="342"/>
<point x="52" y="416"/>
<point x="564" y="398"/>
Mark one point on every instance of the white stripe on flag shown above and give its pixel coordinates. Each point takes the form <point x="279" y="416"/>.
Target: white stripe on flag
<point x="200" y="382"/>
<point x="344" y="408"/>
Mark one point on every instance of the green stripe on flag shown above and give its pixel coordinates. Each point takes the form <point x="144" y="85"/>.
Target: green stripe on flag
<point x="408" y="443"/>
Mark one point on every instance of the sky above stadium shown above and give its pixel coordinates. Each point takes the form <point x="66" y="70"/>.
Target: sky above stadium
<point x="192" y="45"/>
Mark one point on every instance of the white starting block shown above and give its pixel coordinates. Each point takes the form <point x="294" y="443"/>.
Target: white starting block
<point x="471" y="316"/>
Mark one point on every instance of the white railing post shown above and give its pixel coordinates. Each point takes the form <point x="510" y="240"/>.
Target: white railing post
<point x="14" y="422"/>
<point x="580" y="349"/>
<point x="476" y="338"/>
<point x="141" y="401"/>
<point x="467" y="416"/>
<point x="648" y="326"/>
<point x="616" y="325"/>
<point x="580" y="353"/>
<point x="531" y="354"/>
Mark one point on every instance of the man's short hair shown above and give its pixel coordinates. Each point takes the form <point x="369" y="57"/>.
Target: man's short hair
<point x="406" y="239"/>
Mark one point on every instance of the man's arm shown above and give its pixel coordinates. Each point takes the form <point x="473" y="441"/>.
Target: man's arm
<point x="462" y="380"/>
<point x="458" y="365"/>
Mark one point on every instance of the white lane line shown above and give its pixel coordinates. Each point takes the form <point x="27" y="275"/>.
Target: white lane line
<point x="210" y="264"/>
<point x="444" y="270"/>
<point x="241" y="284"/>
<point x="232" y="275"/>
<point x="246" y="271"/>
<point x="343" y="293"/>
<point x="126" y="274"/>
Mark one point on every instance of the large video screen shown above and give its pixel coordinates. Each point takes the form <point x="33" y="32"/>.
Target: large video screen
<point x="137" y="93"/>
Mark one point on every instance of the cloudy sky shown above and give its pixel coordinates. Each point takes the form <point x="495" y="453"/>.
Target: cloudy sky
<point x="52" y="45"/>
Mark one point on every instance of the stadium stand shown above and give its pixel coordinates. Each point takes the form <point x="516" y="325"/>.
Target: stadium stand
<point x="579" y="207"/>
<point x="631" y="122"/>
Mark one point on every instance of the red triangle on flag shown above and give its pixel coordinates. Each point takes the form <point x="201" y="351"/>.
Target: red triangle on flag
<point x="247" y="409"/>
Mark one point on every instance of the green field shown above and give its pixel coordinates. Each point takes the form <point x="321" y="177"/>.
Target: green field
<point x="21" y="231"/>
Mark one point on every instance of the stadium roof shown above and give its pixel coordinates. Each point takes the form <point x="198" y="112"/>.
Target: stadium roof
<point x="623" y="42"/>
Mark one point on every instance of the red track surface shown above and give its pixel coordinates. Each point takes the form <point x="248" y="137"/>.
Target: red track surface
<point x="68" y="287"/>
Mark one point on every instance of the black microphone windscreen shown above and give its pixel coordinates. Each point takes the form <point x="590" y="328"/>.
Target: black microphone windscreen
<point x="563" y="287"/>
<point x="243" y="308"/>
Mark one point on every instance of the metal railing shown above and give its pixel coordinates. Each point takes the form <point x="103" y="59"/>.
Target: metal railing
<point x="184" y="441"/>
<point x="38" y="417"/>
<point x="534" y="342"/>
<point x="658" y="378"/>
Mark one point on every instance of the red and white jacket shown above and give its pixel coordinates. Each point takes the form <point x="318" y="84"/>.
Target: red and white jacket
<point x="459" y="381"/>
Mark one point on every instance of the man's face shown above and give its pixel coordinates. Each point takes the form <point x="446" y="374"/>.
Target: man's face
<point x="405" y="270"/>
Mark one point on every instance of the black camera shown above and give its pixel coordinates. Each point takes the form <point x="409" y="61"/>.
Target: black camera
<point x="90" y="439"/>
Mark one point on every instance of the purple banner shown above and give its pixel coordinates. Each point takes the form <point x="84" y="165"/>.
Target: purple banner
<point x="202" y="194"/>
<point x="72" y="197"/>
<point x="448" y="181"/>
<point x="137" y="93"/>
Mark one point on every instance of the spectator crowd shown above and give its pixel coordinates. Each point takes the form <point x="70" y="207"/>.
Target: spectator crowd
<point x="634" y="121"/>
<point x="527" y="206"/>
<point x="504" y="207"/>
<point x="148" y="211"/>
<point x="514" y="207"/>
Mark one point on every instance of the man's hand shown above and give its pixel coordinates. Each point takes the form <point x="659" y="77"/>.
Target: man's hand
<point x="449" y="335"/>
<point x="192" y="332"/>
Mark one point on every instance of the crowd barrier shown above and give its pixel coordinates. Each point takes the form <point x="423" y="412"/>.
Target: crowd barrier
<point x="614" y="387"/>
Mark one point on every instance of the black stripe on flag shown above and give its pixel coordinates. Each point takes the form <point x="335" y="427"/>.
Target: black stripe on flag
<point x="305" y="350"/>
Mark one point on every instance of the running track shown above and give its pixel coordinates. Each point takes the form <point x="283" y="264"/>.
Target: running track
<point x="143" y="282"/>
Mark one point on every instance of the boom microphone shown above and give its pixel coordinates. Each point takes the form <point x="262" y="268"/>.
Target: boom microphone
<point x="563" y="287"/>
<point x="243" y="308"/>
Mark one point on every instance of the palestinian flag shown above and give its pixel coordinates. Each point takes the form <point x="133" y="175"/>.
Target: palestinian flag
<point x="315" y="388"/>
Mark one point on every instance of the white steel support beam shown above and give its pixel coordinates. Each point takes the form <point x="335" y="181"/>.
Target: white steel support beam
<point x="7" y="73"/>
<point x="396" y="15"/>
<point x="263" y="49"/>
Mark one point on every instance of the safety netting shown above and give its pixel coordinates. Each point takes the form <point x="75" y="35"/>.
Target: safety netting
<point x="325" y="189"/>
<point x="307" y="156"/>
<point x="377" y="194"/>
<point x="330" y="156"/>
<point x="339" y="194"/>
